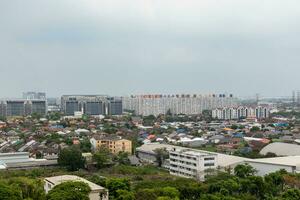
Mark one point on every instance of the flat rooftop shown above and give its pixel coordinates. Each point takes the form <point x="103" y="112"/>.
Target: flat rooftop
<point x="224" y="160"/>
<point x="286" y="161"/>
<point x="56" y="180"/>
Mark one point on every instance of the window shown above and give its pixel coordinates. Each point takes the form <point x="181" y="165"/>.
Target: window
<point x="209" y="164"/>
<point x="209" y="158"/>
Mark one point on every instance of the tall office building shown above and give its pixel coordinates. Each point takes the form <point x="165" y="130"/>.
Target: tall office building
<point x="22" y="107"/>
<point x="91" y="104"/>
<point x="189" y="104"/>
<point x="114" y="106"/>
<point x="34" y="95"/>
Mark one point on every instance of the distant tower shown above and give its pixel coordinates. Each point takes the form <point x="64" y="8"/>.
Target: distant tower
<point x="257" y="98"/>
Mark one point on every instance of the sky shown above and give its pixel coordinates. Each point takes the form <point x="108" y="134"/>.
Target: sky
<point x="121" y="47"/>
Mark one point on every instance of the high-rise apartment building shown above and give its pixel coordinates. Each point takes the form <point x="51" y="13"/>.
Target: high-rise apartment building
<point x="177" y="104"/>
<point x="91" y="104"/>
<point x="227" y="113"/>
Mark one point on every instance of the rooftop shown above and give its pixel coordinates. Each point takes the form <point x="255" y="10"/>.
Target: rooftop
<point x="282" y="149"/>
<point x="60" y="179"/>
<point x="285" y="161"/>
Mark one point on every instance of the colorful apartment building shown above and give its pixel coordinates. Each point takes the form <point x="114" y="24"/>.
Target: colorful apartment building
<point x="115" y="144"/>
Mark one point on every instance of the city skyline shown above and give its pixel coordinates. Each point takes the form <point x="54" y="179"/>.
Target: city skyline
<point x="136" y="47"/>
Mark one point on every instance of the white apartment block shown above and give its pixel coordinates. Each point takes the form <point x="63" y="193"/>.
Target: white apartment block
<point x="177" y="104"/>
<point x="190" y="163"/>
<point x="227" y="113"/>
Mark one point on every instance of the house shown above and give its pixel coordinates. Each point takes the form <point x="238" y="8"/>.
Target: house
<point x="114" y="143"/>
<point x="97" y="192"/>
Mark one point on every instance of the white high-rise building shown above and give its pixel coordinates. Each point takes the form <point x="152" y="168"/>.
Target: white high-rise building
<point x="227" y="113"/>
<point x="177" y="104"/>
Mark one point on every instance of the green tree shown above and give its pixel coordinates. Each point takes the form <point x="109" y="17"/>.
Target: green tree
<point x="122" y="158"/>
<point x="54" y="116"/>
<point x="124" y="195"/>
<point x="143" y="194"/>
<point x="243" y="171"/>
<point x="36" y="116"/>
<point x="291" y="194"/>
<point x="254" y="129"/>
<point x="8" y="192"/>
<point x="85" y="145"/>
<point x="113" y="185"/>
<point x="70" y="190"/>
<point x="191" y="192"/>
<point x="234" y="126"/>
<point x="170" y="192"/>
<point x="161" y="155"/>
<point x="71" y="158"/>
<point x="102" y="157"/>
<point x="149" y="120"/>
<point x="275" y="181"/>
<point x="30" y="188"/>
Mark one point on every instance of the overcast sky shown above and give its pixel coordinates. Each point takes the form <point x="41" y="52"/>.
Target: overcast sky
<point x="121" y="47"/>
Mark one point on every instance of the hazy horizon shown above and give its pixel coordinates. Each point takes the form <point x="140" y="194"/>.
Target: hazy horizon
<point x="123" y="47"/>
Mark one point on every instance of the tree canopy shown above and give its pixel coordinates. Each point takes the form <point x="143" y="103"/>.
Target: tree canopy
<point x="71" y="158"/>
<point x="70" y="190"/>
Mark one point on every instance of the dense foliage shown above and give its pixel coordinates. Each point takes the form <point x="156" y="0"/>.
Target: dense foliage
<point x="71" y="158"/>
<point x="70" y="190"/>
<point x="151" y="183"/>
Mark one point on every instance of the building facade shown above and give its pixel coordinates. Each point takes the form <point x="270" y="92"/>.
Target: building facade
<point x="190" y="163"/>
<point x="228" y="113"/>
<point x="115" y="144"/>
<point x="189" y="104"/>
<point x="34" y="95"/>
<point x="91" y="105"/>
<point x="22" y="107"/>
<point x="114" y="106"/>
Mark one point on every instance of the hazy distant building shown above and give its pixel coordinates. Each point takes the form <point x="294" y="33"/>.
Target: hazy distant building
<point x="34" y="95"/>
<point x="91" y="105"/>
<point x="22" y="107"/>
<point x="15" y="108"/>
<point x="177" y="104"/>
<point x="114" y="106"/>
<point x="227" y="113"/>
<point x="94" y="107"/>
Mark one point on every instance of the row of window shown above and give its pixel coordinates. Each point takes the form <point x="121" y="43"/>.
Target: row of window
<point x="182" y="173"/>
<point x="209" y="164"/>
<point x="180" y="161"/>
<point x="181" y="156"/>
<point x="211" y="158"/>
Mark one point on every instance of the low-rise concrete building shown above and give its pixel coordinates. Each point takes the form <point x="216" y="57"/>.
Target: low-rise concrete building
<point x="115" y="144"/>
<point x="97" y="192"/>
<point x="190" y="163"/>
